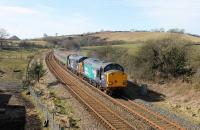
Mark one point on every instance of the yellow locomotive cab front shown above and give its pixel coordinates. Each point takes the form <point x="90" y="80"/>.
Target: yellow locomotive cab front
<point x="116" y="79"/>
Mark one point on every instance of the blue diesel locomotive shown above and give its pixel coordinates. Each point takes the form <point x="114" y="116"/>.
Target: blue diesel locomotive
<point x="107" y="76"/>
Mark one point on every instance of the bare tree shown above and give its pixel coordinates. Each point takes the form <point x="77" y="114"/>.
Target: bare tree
<point x="3" y="36"/>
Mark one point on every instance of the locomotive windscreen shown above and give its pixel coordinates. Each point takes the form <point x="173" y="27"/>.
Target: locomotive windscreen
<point x="113" y="67"/>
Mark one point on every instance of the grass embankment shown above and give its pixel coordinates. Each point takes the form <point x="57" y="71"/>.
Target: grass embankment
<point x="13" y="65"/>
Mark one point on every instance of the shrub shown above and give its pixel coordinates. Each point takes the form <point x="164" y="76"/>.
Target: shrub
<point x="29" y="45"/>
<point x="165" y="57"/>
<point x="70" y="44"/>
<point x="36" y="71"/>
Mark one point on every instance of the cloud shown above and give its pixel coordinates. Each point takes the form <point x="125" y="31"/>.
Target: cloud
<point x="15" y="10"/>
<point x="33" y="22"/>
<point x="45" y="7"/>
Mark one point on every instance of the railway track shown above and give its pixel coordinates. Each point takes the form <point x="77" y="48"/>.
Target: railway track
<point x="107" y="117"/>
<point x="134" y="116"/>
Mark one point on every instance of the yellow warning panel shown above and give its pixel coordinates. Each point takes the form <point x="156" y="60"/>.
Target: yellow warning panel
<point x="116" y="79"/>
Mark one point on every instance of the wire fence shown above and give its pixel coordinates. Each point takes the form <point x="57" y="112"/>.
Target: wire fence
<point x="48" y="116"/>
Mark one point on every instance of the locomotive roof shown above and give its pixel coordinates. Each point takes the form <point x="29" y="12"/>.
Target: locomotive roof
<point x="97" y="63"/>
<point x="76" y="57"/>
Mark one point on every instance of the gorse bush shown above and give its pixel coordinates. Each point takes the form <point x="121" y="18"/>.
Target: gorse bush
<point x="165" y="57"/>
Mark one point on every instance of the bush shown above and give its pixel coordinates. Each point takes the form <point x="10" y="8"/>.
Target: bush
<point x="36" y="71"/>
<point x="165" y="57"/>
<point x="70" y="44"/>
<point x="29" y="45"/>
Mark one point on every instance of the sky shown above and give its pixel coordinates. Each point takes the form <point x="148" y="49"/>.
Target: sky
<point x="33" y="18"/>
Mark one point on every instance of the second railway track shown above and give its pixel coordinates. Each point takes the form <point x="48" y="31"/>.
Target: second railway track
<point x="114" y="114"/>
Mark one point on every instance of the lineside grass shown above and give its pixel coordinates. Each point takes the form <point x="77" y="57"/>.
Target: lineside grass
<point x="6" y="54"/>
<point x="13" y="65"/>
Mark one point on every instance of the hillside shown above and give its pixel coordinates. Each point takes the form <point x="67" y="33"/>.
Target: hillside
<point x="180" y="96"/>
<point x="140" y="36"/>
<point x="137" y="37"/>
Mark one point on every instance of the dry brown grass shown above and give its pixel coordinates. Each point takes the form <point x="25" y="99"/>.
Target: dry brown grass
<point x="37" y="42"/>
<point x="140" y="36"/>
<point x="180" y="99"/>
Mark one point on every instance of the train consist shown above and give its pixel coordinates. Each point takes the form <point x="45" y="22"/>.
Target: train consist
<point x="107" y="76"/>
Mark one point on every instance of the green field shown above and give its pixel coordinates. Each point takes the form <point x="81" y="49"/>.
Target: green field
<point x="13" y="65"/>
<point x="131" y="48"/>
<point x="21" y="54"/>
